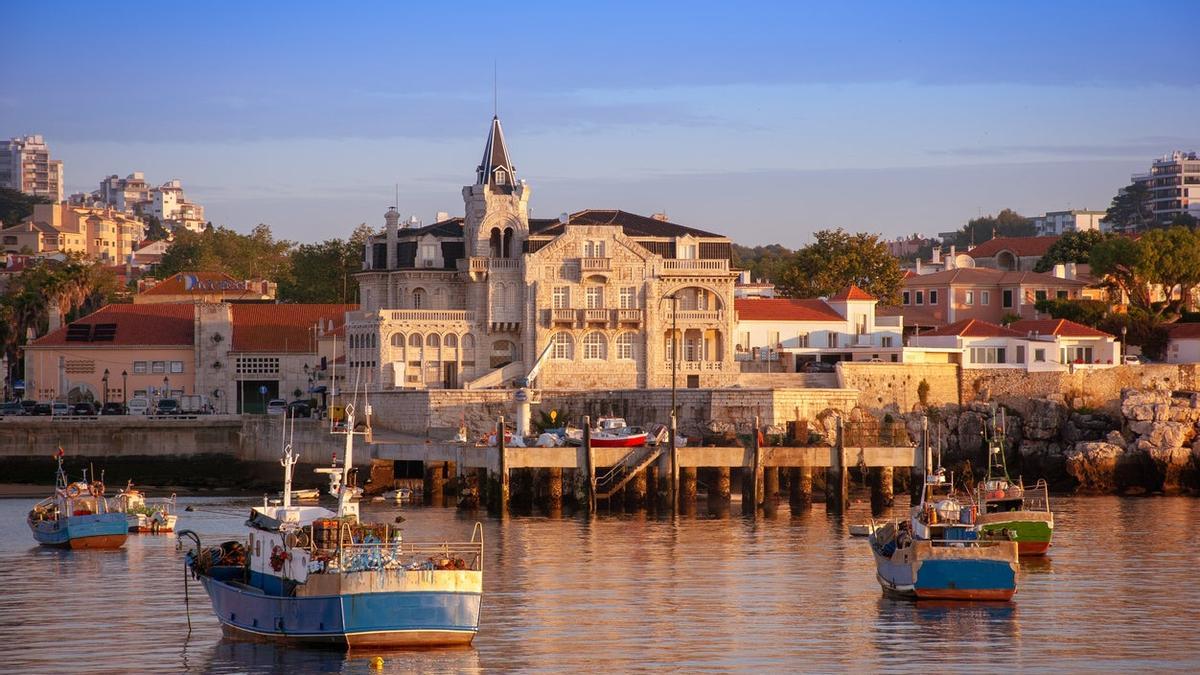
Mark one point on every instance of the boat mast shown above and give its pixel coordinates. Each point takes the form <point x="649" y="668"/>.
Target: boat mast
<point x="288" y="461"/>
<point x="347" y="461"/>
<point x="997" y="463"/>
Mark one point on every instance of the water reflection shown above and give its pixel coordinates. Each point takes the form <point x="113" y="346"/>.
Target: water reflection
<point x="238" y="656"/>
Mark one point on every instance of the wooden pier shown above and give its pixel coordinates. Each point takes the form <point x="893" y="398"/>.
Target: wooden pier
<point x="661" y="476"/>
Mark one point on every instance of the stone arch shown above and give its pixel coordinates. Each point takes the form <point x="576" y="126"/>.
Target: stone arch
<point x="494" y="243"/>
<point x="687" y="305"/>
<point x="503" y="353"/>
<point x="507" y="250"/>
<point x="1006" y="260"/>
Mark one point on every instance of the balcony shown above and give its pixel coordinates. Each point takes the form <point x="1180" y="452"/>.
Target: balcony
<point x="593" y="316"/>
<point x="628" y="317"/>
<point x="694" y="266"/>
<point x="429" y="315"/>
<point x="480" y="265"/>
<point x="560" y="315"/>
<point x="696" y="366"/>
<point x="590" y="265"/>
<point x="706" y="315"/>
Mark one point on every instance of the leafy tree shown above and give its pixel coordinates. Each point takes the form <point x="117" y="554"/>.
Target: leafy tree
<point x="155" y="231"/>
<point x="1186" y="220"/>
<point x="220" y="249"/>
<point x="1142" y="329"/>
<point x="1007" y="223"/>
<point x="1131" y="209"/>
<point x="1172" y="261"/>
<point x="1073" y="247"/>
<point x="16" y="206"/>
<point x="325" y="272"/>
<point x="763" y="262"/>
<point x="1086" y="312"/>
<point x="837" y="259"/>
<point x="1122" y="261"/>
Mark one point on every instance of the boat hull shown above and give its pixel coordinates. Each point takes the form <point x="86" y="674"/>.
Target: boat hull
<point x="1032" y="530"/>
<point x="103" y="530"/>
<point x="382" y="619"/>
<point x="144" y="524"/>
<point x="927" y="572"/>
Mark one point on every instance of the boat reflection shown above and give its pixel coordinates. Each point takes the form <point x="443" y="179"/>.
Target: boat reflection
<point x="971" y="621"/>
<point x="231" y="655"/>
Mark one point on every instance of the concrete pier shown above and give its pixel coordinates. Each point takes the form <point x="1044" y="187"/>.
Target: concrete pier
<point x="687" y="490"/>
<point x="553" y="489"/>
<point x="719" y="491"/>
<point x="435" y="481"/>
<point x="800" y="488"/>
<point x="882" y="490"/>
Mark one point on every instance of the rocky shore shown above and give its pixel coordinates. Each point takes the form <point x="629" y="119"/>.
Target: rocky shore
<point x="1151" y="447"/>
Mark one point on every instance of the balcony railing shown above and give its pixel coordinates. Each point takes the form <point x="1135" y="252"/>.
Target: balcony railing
<point x="594" y="315"/>
<point x="562" y="315"/>
<point x="697" y="315"/>
<point x="595" y="265"/>
<point x="478" y="264"/>
<point x="697" y="366"/>
<point x="694" y="265"/>
<point x="629" y="316"/>
<point x="429" y="315"/>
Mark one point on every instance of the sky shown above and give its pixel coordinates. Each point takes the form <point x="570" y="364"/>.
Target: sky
<point x="762" y="121"/>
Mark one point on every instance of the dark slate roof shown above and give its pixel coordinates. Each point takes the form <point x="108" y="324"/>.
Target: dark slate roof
<point x="495" y="155"/>
<point x="452" y="227"/>
<point x="631" y="223"/>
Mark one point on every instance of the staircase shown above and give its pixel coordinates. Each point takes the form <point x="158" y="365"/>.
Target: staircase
<point x="624" y="471"/>
<point x="497" y="377"/>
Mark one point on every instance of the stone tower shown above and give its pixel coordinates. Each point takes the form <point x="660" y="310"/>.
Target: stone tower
<point x="497" y="205"/>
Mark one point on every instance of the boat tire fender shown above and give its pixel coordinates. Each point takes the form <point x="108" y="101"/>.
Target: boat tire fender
<point x="97" y="489"/>
<point x="72" y="490"/>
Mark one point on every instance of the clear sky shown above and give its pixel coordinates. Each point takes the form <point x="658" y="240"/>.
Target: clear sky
<point x="765" y="121"/>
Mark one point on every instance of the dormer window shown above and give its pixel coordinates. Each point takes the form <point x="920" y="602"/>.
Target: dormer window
<point x="501" y="177"/>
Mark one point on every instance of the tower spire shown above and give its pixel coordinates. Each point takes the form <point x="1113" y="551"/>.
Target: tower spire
<point x="496" y="169"/>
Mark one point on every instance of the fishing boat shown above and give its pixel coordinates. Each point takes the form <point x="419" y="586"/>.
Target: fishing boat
<point x="311" y="576"/>
<point x="398" y="496"/>
<point x="862" y="529"/>
<point x="937" y="554"/>
<point x="146" y="515"/>
<point x="305" y="495"/>
<point x="77" y="515"/>
<point x="611" y="432"/>
<point x="1008" y="508"/>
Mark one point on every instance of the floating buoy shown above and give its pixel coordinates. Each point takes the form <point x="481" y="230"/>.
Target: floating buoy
<point x="377" y="663"/>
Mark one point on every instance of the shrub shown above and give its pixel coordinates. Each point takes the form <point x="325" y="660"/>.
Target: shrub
<point x="923" y="392"/>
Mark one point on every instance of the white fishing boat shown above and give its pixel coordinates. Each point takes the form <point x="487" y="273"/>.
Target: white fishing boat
<point x="398" y="496"/>
<point x="142" y="514"/>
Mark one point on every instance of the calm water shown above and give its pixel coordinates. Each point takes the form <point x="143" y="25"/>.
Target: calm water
<point x="620" y="593"/>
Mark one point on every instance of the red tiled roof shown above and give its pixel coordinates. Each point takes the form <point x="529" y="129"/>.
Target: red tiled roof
<point x="784" y="309"/>
<point x="853" y="292"/>
<point x="973" y="328"/>
<point x="136" y="325"/>
<point x="1020" y="246"/>
<point x="1061" y="327"/>
<point x="983" y="275"/>
<point x="177" y="284"/>
<point x="1183" y="331"/>
<point x="281" y="328"/>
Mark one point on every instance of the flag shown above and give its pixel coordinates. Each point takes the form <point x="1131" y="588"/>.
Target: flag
<point x="61" y="452"/>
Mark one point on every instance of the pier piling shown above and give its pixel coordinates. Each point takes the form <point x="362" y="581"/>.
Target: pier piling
<point x="435" y="482"/>
<point x="590" y="458"/>
<point x="502" y="506"/>
<point x="687" y="490"/>
<point x="837" y="483"/>
<point x="554" y="489"/>
<point x="800" y="495"/>
<point x="882" y="496"/>
<point x="719" y="491"/>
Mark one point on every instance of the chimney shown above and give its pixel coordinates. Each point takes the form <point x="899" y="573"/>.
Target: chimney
<point x="564" y="217"/>
<point x="918" y="265"/>
<point x="1072" y="270"/>
<point x="936" y="257"/>
<point x="441" y="216"/>
<point x="1060" y="270"/>
<point x="950" y="261"/>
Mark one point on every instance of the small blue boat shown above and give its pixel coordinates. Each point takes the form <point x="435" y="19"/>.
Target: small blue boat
<point x="76" y="516"/>
<point x="307" y="575"/>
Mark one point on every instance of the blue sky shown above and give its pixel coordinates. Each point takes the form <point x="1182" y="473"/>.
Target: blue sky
<point x="765" y="121"/>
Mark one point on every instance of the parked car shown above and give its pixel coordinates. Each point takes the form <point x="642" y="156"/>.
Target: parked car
<point x="1132" y="360"/>
<point x="59" y="408"/>
<point x="299" y="409"/>
<point x="817" y="367"/>
<point x="28" y="406"/>
<point x="276" y="406"/>
<point x="194" y="404"/>
<point x="166" y="406"/>
<point x="139" y="405"/>
<point x="12" y="408"/>
<point x="113" y="408"/>
<point x="42" y="409"/>
<point x="84" y="408"/>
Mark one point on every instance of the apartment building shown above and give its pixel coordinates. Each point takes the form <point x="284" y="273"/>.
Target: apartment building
<point x="1057" y="223"/>
<point x="979" y="293"/>
<point x="1174" y="184"/>
<point x="100" y="234"/>
<point x="25" y="165"/>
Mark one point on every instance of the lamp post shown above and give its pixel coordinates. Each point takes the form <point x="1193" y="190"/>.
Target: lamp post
<point x="105" y="381"/>
<point x="674" y="298"/>
<point x="1121" y="352"/>
<point x="124" y="386"/>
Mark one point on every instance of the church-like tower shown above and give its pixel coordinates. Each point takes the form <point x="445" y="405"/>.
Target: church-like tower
<point x="497" y="205"/>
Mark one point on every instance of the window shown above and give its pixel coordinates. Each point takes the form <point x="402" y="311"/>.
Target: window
<point x="593" y="249"/>
<point x="970" y="298"/>
<point x="987" y="355"/>
<point x="687" y="251"/>
<point x="1039" y="295"/>
<point x="802" y="340"/>
<point x="428" y="252"/>
<point x="1039" y="355"/>
<point x="985" y="298"/>
<point x="628" y="298"/>
<point x="257" y="365"/>
<point x="177" y="366"/>
<point x="1061" y="295"/>
<point x="933" y="297"/>
<point x="906" y="298"/>
<point x="418" y="298"/>
<point x="594" y="296"/>
<point x="398" y="340"/>
<point x="885" y="341"/>
<point x="833" y="339"/>
<point x="920" y="297"/>
<point x="594" y="346"/>
<point x="625" y="342"/>
<point x="1077" y="354"/>
<point x="1007" y="298"/>
<point x="561" y="297"/>
<point x="159" y="367"/>
<point x="139" y="367"/>
<point x="562" y="346"/>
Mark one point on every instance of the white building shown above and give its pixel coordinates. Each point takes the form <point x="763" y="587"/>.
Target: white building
<point x="1056" y="223"/>
<point x="1183" y="343"/>
<point x="1034" y="345"/>
<point x="129" y="194"/>
<point x="25" y="165"/>
<point x="796" y="331"/>
<point x="172" y="207"/>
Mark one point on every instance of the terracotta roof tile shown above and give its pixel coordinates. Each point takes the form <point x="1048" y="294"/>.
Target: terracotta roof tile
<point x="974" y="328"/>
<point x="179" y="283"/>
<point x="852" y="292"/>
<point x="1183" y="331"/>
<point x="281" y="328"/>
<point x="1056" y="327"/>
<point x="784" y="309"/>
<point x="1020" y="246"/>
<point x="136" y="325"/>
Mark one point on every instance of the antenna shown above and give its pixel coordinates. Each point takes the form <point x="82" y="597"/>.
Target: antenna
<point x="495" y="90"/>
<point x="397" y="202"/>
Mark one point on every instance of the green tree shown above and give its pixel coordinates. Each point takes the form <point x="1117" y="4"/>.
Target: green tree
<point x="1131" y="209"/>
<point x="325" y="272"/>
<point x="763" y="262"/>
<point x="1123" y="264"/>
<point x="1186" y="220"/>
<point x="1007" y="223"/>
<point x="155" y="231"/>
<point x="1172" y="261"/>
<point x="837" y="259"/>
<point x="1086" y="312"/>
<point x="16" y="206"/>
<point x="220" y="249"/>
<point x="1073" y="247"/>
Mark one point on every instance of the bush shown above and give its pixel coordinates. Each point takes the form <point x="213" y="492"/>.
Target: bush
<point x="1086" y="312"/>
<point x="923" y="392"/>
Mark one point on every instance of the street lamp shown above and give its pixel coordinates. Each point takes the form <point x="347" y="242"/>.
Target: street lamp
<point x="166" y="387"/>
<point x="124" y="386"/>
<point x="1121" y="353"/>
<point x="674" y="298"/>
<point x="105" y="381"/>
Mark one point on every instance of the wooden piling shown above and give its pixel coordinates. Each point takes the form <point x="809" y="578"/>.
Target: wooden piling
<point x="916" y="475"/>
<point x="800" y="495"/>
<point x="881" y="489"/>
<point x="687" y="490"/>
<point x="718" y="492"/>
<point x="501" y="452"/>
<point x="770" y="486"/>
<point x="756" y="470"/>
<point x="589" y="456"/>
<point x="673" y="468"/>
<point x="837" y="483"/>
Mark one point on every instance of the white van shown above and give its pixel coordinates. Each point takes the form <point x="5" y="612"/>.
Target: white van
<point x="139" y="405"/>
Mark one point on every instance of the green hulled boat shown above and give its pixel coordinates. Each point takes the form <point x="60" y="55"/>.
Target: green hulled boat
<point x="1008" y="508"/>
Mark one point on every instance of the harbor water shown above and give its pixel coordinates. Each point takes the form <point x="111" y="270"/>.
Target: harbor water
<point x="618" y="593"/>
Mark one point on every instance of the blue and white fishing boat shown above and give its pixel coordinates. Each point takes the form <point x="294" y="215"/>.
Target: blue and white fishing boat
<point x="308" y="575"/>
<point x="938" y="554"/>
<point x="76" y="515"/>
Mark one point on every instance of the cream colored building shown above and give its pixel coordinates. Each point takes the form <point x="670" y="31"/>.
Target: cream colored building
<point x="475" y="301"/>
<point x="172" y="207"/>
<point x="100" y="234"/>
<point x="25" y="165"/>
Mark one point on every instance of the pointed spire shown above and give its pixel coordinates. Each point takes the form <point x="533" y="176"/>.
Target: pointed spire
<point x="496" y="168"/>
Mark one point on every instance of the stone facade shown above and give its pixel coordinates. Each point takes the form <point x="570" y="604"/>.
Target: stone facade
<point x="582" y="301"/>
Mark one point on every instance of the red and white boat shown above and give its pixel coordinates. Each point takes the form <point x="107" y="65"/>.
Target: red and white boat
<point x="611" y="432"/>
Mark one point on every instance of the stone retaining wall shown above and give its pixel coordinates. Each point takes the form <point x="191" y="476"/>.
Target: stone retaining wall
<point x="893" y="386"/>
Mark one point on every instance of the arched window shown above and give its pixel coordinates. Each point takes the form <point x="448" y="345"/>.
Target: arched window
<point x="451" y="340"/>
<point x="499" y="297"/>
<point x="501" y="176"/>
<point x="433" y="341"/>
<point x="625" y="345"/>
<point x="508" y="241"/>
<point x="494" y="242"/>
<point x="397" y="339"/>
<point x="418" y="297"/>
<point x="594" y="345"/>
<point x="414" y="340"/>
<point x="563" y="346"/>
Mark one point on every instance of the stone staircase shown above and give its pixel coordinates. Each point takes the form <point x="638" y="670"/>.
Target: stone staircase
<point x="498" y="377"/>
<point x="630" y="465"/>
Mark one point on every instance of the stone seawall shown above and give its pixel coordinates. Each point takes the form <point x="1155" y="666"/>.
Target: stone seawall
<point x="1095" y="389"/>
<point x="895" y="386"/>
